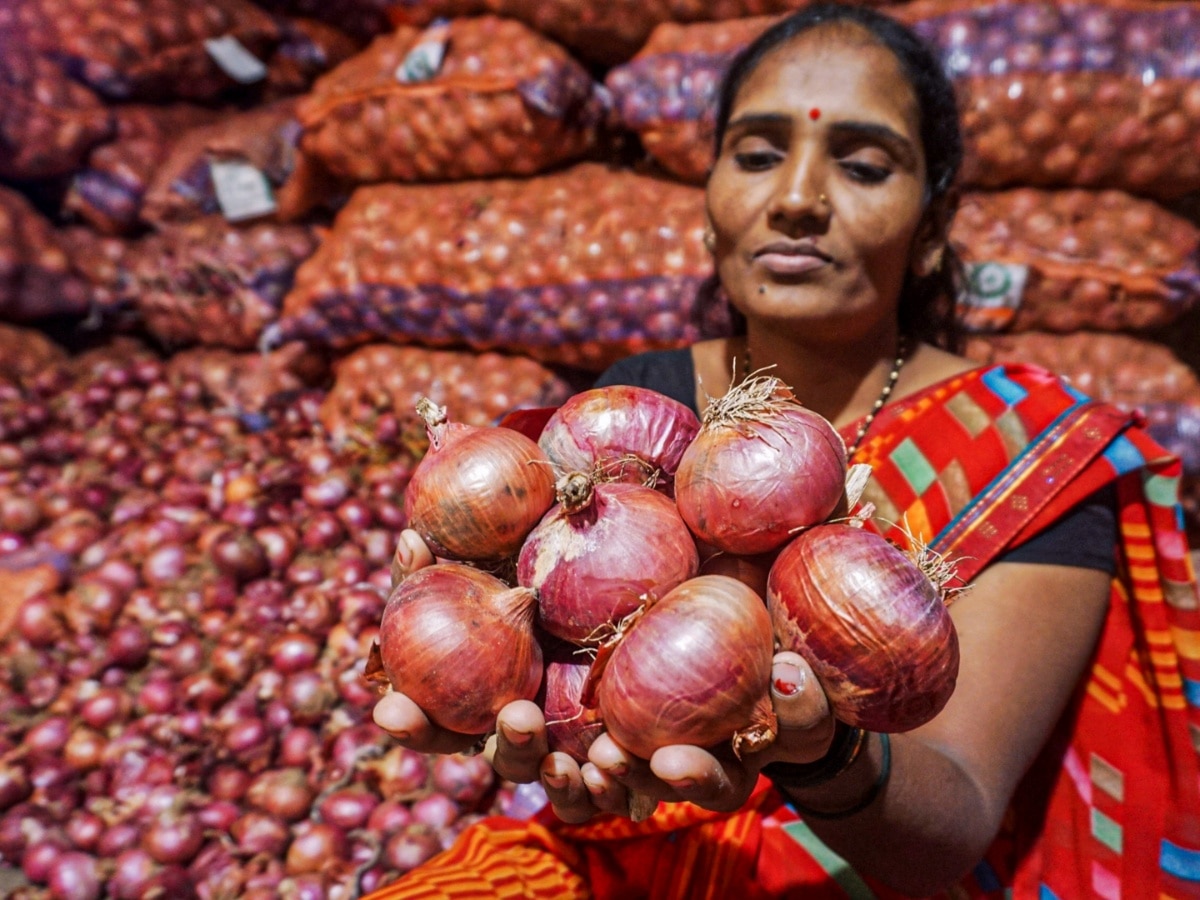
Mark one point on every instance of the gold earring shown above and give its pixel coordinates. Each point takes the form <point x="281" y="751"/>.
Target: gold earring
<point x="933" y="264"/>
<point x="710" y="240"/>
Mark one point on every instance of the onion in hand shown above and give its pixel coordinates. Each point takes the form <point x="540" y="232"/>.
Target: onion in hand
<point x="478" y="491"/>
<point x="761" y="468"/>
<point x="595" y="555"/>
<point x="460" y="644"/>
<point x="693" y="667"/>
<point x="871" y="623"/>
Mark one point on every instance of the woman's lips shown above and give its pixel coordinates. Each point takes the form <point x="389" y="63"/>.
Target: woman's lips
<point x="783" y="263"/>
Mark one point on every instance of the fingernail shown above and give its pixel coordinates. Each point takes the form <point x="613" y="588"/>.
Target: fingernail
<point x="516" y="738"/>
<point x="785" y="680"/>
<point x="683" y="784"/>
<point x="554" y="782"/>
<point x="595" y="790"/>
<point x="620" y="770"/>
<point x="403" y="555"/>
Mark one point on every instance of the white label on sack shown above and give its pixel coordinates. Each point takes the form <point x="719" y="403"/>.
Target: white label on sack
<point x="243" y="191"/>
<point x="235" y="60"/>
<point x="993" y="295"/>
<point x="424" y="60"/>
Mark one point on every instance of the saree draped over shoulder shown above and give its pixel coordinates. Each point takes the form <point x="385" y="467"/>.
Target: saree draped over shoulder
<point x="971" y="468"/>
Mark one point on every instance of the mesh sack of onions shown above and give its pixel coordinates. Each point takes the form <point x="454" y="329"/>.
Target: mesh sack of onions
<point x="362" y="19"/>
<point x="24" y="352"/>
<point x="307" y="49"/>
<point x="478" y="491"/>
<point x="247" y="382"/>
<point x="599" y="551"/>
<point x="213" y="283"/>
<point x="100" y="260"/>
<point x="107" y="190"/>
<point x="1070" y="259"/>
<point x="261" y="140"/>
<point x="376" y="388"/>
<point x="47" y="121"/>
<point x="1073" y="95"/>
<point x="151" y="50"/>
<point x="761" y="468"/>
<point x="872" y="622"/>
<point x="461" y="644"/>
<point x="580" y="267"/>
<point x="624" y="432"/>
<point x="468" y="99"/>
<point x="665" y="678"/>
<point x="37" y="277"/>
<point x="666" y="93"/>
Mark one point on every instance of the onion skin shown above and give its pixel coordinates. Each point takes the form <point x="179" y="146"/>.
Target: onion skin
<point x="596" y="554"/>
<point x="874" y="628"/>
<point x="460" y="643"/>
<point x="478" y="491"/>
<point x="570" y="726"/>
<point x="747" y="484"/>
<point x="606" y="426"/>
<point x="693" y="668"/>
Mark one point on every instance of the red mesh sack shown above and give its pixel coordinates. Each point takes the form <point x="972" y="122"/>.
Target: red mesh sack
<point x="152" y="49"/>
<point x="274" y="181"/>
<point x="580" y="267"/>
<point x="26" y="352"/>
<point x="247" y="382"/>
<point x="1100" y="95"/>
<point x="307" y="49"/>
<point x="668" y="92"/>
<point x="37" y="278"/>
<point x="107" y="190"/>
<point x="100" y="260"/>
<point x="502" y="100"/>
<point x="1074" y="259"/>
<point x="376" y="388"/>
<point x="209" y="282"/>
<point x="47" y="121"/>
<point x="362" y="19"/>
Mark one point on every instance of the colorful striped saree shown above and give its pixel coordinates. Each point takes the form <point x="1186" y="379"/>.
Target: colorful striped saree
<point x="972" y="467"/>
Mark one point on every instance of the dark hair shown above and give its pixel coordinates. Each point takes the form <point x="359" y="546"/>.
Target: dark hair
<point x="927" y="306"/>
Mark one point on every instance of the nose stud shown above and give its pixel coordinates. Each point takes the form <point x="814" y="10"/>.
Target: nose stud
<point x="824" y="199"/>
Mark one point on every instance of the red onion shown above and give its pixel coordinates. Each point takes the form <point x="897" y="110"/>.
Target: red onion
<point x="407" y="849"/>
<point x="478" y="491"/>
<point x="349" y="807"/>
<point x="315" y="846"/>
<point x="460" y="643"/>
<point x="595" y="556"/>
<point x="76" y="876"/>
<point x="570" y="726"/>
<point x="464" y="779"/>
<point x="871" y="623"/>
<point x="633" y="434"/>
<point x="281" y="792"/>
<point x="761" y="468"/>
<point x="693" y="668"/>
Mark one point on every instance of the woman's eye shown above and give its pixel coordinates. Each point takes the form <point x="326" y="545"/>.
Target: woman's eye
<point x="755" y="160"/>
<point x="865" y="172"/>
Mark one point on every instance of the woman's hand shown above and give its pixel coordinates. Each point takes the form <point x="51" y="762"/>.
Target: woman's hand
<point x="718" y="782"/>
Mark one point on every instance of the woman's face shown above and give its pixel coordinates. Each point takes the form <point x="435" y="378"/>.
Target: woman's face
<point x="816" y="195"/>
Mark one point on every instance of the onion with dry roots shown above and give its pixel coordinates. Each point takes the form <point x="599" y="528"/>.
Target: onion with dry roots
<point x="871" y="622"/>
<point x="596" y="555"/>
<point x="629" y="433"/>
<point x="761" y="468"/>
<point x="478" y="491"/>
<point x="460" y="643"/>
<point x="693" y="667"/>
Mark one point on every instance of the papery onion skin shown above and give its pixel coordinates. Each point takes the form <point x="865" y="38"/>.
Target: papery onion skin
<point x="478" y="491"/>
<point x="460" y="643"/>
<point x="694" y="668"/>
<point x="872" y="625"/>
<point x="746" y="486"/>
<point x="593" y="561"/>
<point x="606" y="425"/>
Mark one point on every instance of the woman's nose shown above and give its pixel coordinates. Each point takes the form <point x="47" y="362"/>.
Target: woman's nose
<point x="800" y="195"/>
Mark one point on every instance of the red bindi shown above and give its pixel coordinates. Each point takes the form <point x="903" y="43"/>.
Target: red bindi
<point x="814" y="114"/>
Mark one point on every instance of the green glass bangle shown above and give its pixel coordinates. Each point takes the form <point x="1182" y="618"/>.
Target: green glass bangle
<point x="872" y="794"/>
<point x="843" y="751"/>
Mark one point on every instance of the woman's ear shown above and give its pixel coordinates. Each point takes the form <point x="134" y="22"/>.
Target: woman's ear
<point x="929" y="249"/>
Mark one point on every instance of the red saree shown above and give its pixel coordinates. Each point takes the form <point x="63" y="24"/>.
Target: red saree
<point x="1111" y="809"/>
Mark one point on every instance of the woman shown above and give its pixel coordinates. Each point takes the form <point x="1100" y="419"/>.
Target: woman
<point x="1047" y="773"/>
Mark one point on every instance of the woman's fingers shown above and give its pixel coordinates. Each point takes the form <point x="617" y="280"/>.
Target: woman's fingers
<point x="563" y="782"/>
<point x="412" y="553"/>
<point x="799" y="700"/>
<point x="402" y="719"/>
<point x="605" y="793"/>
<point x="520" y="746"/>
<point x="696" y="775"/>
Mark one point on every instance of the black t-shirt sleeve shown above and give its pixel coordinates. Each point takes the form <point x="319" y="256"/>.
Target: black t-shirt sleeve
<point x="669" y="372"/>
<point x="1086" y="537"/>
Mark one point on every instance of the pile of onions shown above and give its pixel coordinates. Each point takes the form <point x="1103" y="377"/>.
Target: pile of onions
<point x="871" y="623"/>
<point x="595" y="556"/>
<point x="761" y="468"/>
<point x="478" y="491"/>
<point x="630" y="433"/>
<point x="461" y="644"/>
<point x="694" y="667"/>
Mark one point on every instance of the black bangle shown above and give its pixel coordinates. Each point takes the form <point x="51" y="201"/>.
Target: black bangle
<point x="847" y="744"/>
<point x="872" y="794"/>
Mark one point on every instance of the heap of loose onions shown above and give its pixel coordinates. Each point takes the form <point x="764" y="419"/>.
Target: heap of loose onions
<point x="693" y="667"/>
<point x="599" y="552"/>
<point x="460" y="643"/>
<point x="630" y="433"/>
<point x="872" y="624"/>
<point x="478" y="491"/>
<point x="761" y="468"/>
